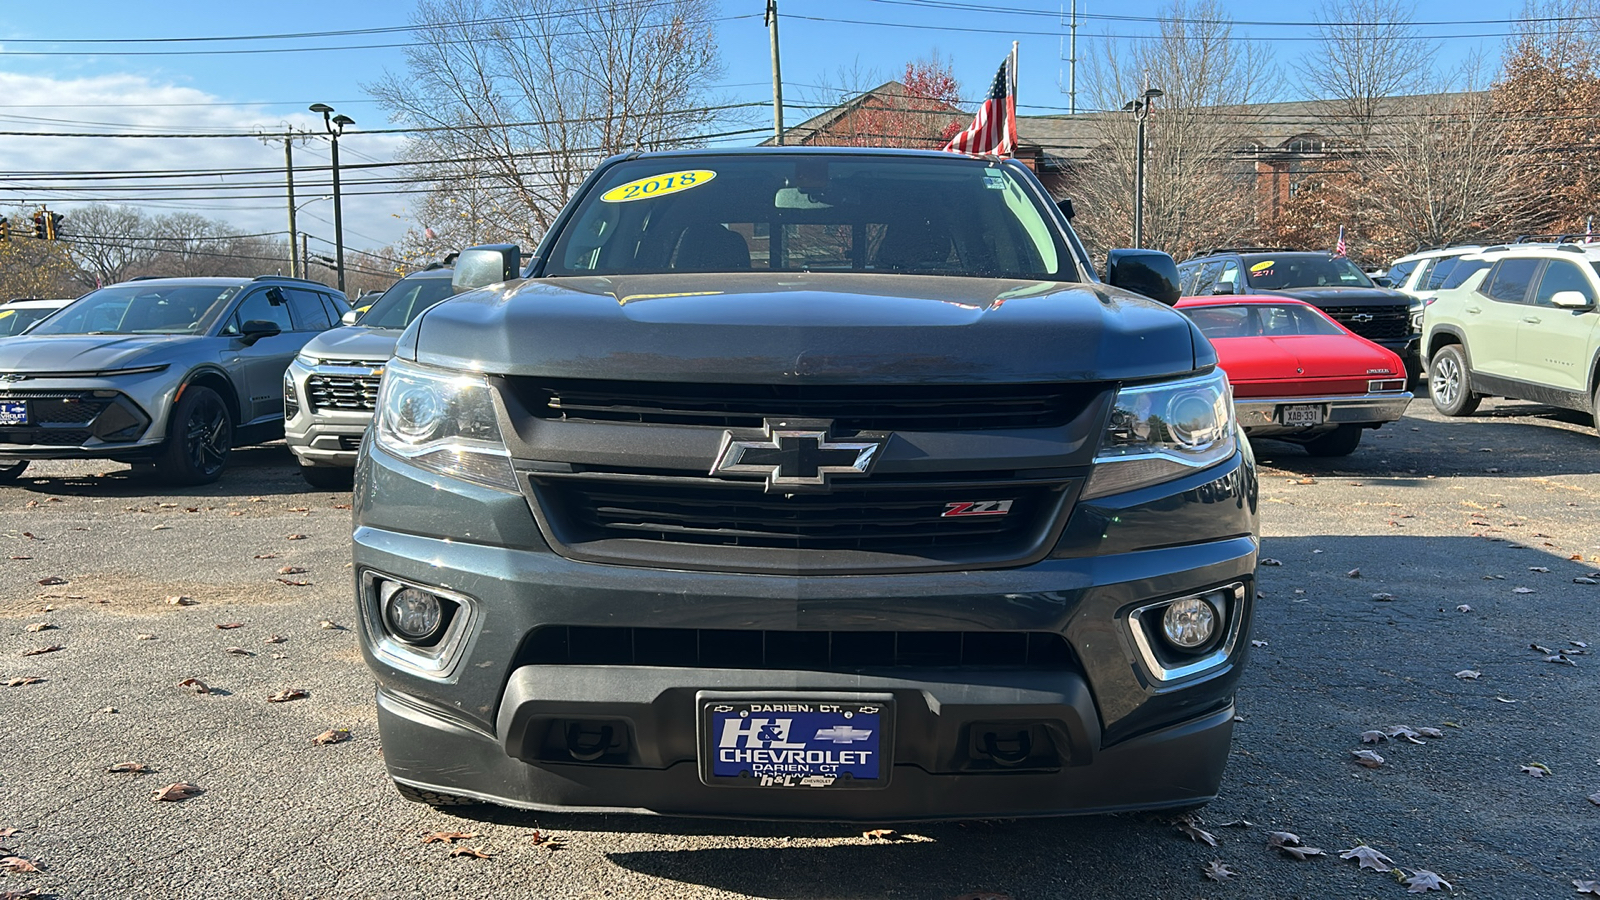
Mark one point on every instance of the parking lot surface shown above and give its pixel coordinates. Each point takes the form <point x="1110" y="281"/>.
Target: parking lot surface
<point x="1413" y="583"/>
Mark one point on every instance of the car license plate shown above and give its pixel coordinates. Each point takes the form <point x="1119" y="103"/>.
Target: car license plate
<point x="814" y="742"/>
<point x="1300" y="415"/>
<point x="13" y="412"/>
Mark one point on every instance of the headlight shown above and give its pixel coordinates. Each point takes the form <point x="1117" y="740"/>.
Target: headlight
<point x="1159" y="432"/>
<point x="445" y="422"/>
<point x="310" y="362"/>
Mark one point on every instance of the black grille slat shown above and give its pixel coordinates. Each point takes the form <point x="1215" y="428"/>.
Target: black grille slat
<point x="1388" y="322"/>
<point x="817" y="650"/>
<point x="884" y="519"/>
<point x="60" y="407"/>
<point x="919" y="407"/>
<point x="342" y="391"/>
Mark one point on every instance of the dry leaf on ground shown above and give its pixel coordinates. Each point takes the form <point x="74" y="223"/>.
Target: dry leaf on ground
<point x="1522" y="590"/>
<point x="447" y="837"/>
<point x="1537" y="770"/>
<point x="294" y="537"/>
<point x="20" y="895"/>
<point x="181" y="601"/>
<point x="1302" y="853"/>
<point x="195" y="684"/>
<point x="287" y="694"/>
<point x="37" y="627"/>
<point x="39" y="651"/>
<point x="1368" y="858"/>
<point x="332" y="736"/>
<point x="549" y="842"/>
<point x="1280" y="838"/>
<point x="1383" y="596"/>
<point x="1586" y="887"/>
<point x="1269" y="561"/>
<point x="294" y="582"/>
<point x="18" y="864"/>
<point x="1373" y="737"/>
<point x="1595" y="798"/>
<point x="239" y="651"/>
<point x="884" y="834"/>
<point x="22" y="680"/>
<point x="274" y="639"/>
<point x="1367" y="758"/>
<point x="177" y="792"/>
<point x="1196" y="833"/>
<point x="1469" y="674"/>
<point x="473" y="852"/>
<point x="131" y="768"/>
<point x="229" y="626"/>
<point x="1463" y="608"/>
<point x="330" y="625"/>
<point x="292" y="570"/>
<point x="1430" y="732"/>
<point x="1422" y="880"/>
<point x="1217" y="871"/>
<point x="52" y="580"/>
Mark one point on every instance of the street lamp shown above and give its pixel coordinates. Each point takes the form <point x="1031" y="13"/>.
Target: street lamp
<point x="335" y="126"/>
<point x="1140" y="107"/>
<point x="302" y="265"/>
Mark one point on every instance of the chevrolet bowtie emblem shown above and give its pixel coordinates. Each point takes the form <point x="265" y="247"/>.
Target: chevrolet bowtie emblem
<point x="795" y="455"/>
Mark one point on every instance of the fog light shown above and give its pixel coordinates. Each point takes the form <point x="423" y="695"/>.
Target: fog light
<point x="1189" y="623"/>
<point x="414" y="615"/>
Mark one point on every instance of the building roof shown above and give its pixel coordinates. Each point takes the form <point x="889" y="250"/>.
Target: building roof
<point x="891" y="92"/>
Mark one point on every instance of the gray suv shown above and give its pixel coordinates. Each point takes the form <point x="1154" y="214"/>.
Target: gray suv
<point x="169" y="371"/>
<point x="331" y="388"/>
<point x="807" y="483"/>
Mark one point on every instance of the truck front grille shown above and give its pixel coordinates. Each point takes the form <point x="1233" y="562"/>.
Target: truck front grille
<point x="883" y="518"/>
<point x="342" y="391"/>
<point x="1387" y="323"/>
<point x="918" y="407"/>
<point x="814" y="650"/>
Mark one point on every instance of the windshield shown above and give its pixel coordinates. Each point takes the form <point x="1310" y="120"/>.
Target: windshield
<point x="811" y="213"/>
<point x="15" y="320"/>
<point x="1260" y="320"/>
<point x="405" y="301"/>
<point x="1461" y="272"/>
<point x="1303" y="271"/>
<point x="142" y="309"/>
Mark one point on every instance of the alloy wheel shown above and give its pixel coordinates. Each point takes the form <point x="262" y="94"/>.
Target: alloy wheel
<point x="206" y="435"/>
<point x="1446" y="382"/>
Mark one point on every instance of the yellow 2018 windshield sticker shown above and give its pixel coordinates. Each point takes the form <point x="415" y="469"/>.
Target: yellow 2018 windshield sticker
<point x="1262" y="266"/>
<point x="658" y="185"/>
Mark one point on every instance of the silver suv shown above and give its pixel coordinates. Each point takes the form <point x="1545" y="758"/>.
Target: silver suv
<point x="170" y="371"/>
<point x="330" y="389"/>
<point x="1523" y="325"/>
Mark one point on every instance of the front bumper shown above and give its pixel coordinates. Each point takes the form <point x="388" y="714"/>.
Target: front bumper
<point x="318" y="435"/>
<point x="119" y="417"/>
<point x="1262" y="416"/>
<point x="488" y="724"/>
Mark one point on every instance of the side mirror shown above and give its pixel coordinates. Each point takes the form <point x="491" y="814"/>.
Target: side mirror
<point x="1570" y="300"/>
<point x="1223" y="287"/>
<point x="350" y="317"/>
<point x="1065" y="205"/>
<point x="255" y="329"/>
<point x="1383" y="281"/>
<point x="485" y="265"/>
<point x="1148" y="272"/>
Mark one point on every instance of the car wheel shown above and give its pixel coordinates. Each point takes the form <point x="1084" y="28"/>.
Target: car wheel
<point x="12" y="470"/>
<point x="1341" y="441"/>
<point x="328" y="478"/>
<point x="199" y="437"/>
<point x="1449" y="384"/>
<point x="432" y="798"/>
<point x="1595" y="406"/>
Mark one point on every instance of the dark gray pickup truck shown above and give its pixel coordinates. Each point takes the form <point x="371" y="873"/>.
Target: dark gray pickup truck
<point x="807" y="484"/>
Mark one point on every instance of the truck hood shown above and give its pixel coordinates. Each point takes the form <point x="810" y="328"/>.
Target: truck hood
<point x="1341" y="296"/>
<point x="88" y="352"/>
<point x="353" y="342"/>
<point x="828" y="327"/>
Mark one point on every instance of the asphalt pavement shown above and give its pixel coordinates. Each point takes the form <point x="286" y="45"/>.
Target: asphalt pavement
<point x="1440" y="547"/>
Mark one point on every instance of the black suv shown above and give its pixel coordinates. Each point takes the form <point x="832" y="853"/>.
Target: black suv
<point x="1331" y="283"/>
<point x="816" y="483"/>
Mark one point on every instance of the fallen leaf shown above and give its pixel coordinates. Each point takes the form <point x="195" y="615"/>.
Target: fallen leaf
<point x="287" y="694"/>
<point x="1522" y="590"/>
<point x="20" y="895"/>
<point x="37" y="627"/>
<point x="195" y="684"/>
<point x="1302" y="853"/>
<point x="9" y="831"/>
<point x="549" y="842"/>
<point x="1196" y="833"/>
<point x="1430" y="732"/>
<point x="1353" y="573"/>
<point x="1368" y="858"/>
<point x="292" y="570"/>
<point x="1586" y="887"/>
<point x="1422" y="880"/>
<point x="447" y="837"/>
<point x="1561" y="659"/>
<point x="52" y="580"/>
<point x="332" y="736"/>
<point x="1463" y="608"/>
<point x="1258" y="643"/>
<point x="1382" y="595"/>
<point x="1538" y="568"/>
<point x="229" y="626"/>
<point x="330" y="625"/>
<point x="239" y="651"/>
<point x="144" y="636"/>
<point x="1216" y="871"/>
<point x="1367" y="758"/>
<point x="39" y="651"/>
<point x="162" y="527"/>
<point x="1269" y="561"/>
<point x="181" y="601"/>
<point x="1507" y="700"/>
<point x="1595" y="798"/>
<point x="132" y="768"/>
<point x="299" y="509"/>
<point x="21" y="557"/>
<point x="294" y="582"/>
<point x="1280" y="838"/>
<point x="1469" y="674"/>
<point x="884" y="834"/>
<point x="1373" y="737"/>
<point x="266" y="556"/>
<point x="178" y="792"/>
<point x="274" y="639"/>
<point x="1540" y="648"/>
<point x="18" y="864"/>
<point x="1238" y="823"/>
<point x="1584" y="580"/>
<point x="294" y="537"/>
<point x="19" y="682"/>
<point x="473" y="852"/>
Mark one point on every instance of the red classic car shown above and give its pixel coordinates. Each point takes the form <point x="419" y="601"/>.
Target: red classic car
<point x="1298" y="375"/>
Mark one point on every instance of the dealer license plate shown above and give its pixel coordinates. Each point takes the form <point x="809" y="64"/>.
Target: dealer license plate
<point x="13" y="412"/>
<point x="813" y="742"/>
<point x="1300" y="415"/>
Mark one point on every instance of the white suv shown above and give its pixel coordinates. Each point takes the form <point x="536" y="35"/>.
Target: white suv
<point x="1420" y="275"/>
<point x="1522" y="325"/>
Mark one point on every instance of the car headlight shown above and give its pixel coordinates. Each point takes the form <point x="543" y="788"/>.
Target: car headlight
<point x="1159" y="432"/>
<point x="444" y="422"/>
<point x="310" y="362"/>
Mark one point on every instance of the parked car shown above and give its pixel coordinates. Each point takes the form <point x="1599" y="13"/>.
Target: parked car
<point x="19" y="315"/>
<point x="1331" y="283"/>
<point x="170" y="371"/>
<point x="1420" y="275"/>
<point x="1523" y="325"/>
<point x="823" y="483"/>
<point x="331" y="387"/>
<point x="1298" y="375"/>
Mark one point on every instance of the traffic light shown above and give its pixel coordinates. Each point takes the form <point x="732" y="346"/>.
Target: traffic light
<point x="52" y="225"/>
<point x="5" y="230"/>
<point x="38" y="225"/>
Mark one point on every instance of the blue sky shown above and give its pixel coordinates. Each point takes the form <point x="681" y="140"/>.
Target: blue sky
<point x="119" y="91"/>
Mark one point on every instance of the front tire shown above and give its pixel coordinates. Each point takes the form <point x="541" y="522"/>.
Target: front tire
<point x="1450" y="383"/>
<point x="199" y="437"/>
<point x="11" y="471"/>
<point x="328" y="478"/>
<point x="1341" y="441"/>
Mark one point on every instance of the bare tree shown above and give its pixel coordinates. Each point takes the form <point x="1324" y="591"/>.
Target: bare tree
<point x="524" y="97"/>
<point x="108" y="243"/>
<point x="1198" y="186"/>
<point x="1368" y="50"/>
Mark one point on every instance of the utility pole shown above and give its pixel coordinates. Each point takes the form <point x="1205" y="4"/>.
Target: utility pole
<point x="1140" y="108"/>
<point x="1071" y="58"/>
<point x="777" y="75"/>
<point x="288" y="171"/>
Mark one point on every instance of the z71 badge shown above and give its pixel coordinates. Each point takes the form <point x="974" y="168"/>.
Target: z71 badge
<point x="976" y="508"/>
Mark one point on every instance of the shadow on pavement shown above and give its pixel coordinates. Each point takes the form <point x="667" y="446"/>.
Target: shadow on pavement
<point x="255" y="471"/>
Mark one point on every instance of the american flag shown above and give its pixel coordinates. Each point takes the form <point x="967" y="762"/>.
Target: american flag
<point x="1339" y="249"/>
<point x="994" y="129"/>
